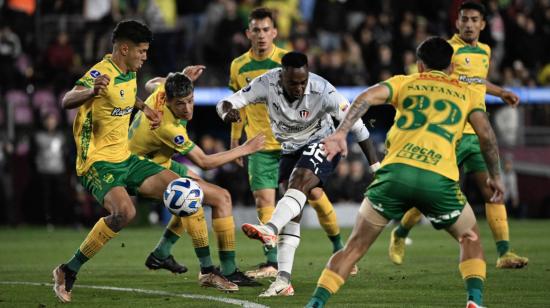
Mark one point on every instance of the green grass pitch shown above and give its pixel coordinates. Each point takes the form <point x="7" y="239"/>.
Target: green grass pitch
<point x="428" y="278"/>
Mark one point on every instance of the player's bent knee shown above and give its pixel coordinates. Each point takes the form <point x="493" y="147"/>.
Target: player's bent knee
<point x="463" y="227"/>
<point x="315" y="193"/>
<point x="371" y="215"/>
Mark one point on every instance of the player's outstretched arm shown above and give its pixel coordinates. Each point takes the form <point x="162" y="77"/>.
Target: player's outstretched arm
<point x="206" y="162"/>
<point x="489" y="149"/>
<point x="193" y="72"/>
<point x="79" y="95"/>
<point x="508" y="97"/>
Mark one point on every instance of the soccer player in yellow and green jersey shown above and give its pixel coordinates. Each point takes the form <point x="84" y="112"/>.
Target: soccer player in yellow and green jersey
<point x="263" y="166"/>
<point x="471" y="66"/>
<point x="173" y="98"/>
<point x="106" y="96"/>
<point x="420" y="167"/>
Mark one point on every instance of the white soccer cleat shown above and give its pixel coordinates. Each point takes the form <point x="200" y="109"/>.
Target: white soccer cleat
<point x="261" y="233"/>
<point x="472" y="304"/>
<point x="279" y="287"/>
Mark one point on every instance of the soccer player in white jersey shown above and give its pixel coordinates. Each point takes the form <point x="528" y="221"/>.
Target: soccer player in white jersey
<point x="301" y="106"/>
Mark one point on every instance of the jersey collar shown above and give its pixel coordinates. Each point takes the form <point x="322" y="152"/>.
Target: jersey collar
<point x="254" y="57"/>
<point x="461" y="41"/>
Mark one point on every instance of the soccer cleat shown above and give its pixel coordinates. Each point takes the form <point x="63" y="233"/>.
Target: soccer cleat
<point x="397" y="248"/>
<point x="511" y="260"/>
<point x="215" y="279"/>
<point x="472" y="304"/>
<point x="354" y="270"/>
<point x="265" y="270"/>
<point x="63" y="281"/>
<point x="279" y="287"/>
<point x="261" y="233"/>
<point x="169" y="263"/>
<point x="314" y="302"/>
<point x="240" y="279"/>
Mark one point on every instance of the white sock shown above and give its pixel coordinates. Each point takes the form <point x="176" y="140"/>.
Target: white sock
<point x="288" y="207"/>
<point x="289" y="239"/>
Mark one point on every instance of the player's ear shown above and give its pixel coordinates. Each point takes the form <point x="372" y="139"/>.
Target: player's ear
<point x="275" y="32"/>
<point x="248" y="33"/>
<point x="483" y="23"/>
<point x="456" y="23"/>
<point x="420" y="66"/>
<point x="124" y="48"/>
<point x="451" y="68"/>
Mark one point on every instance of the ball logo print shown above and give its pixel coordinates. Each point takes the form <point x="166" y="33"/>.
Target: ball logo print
<point x="183" y="197"/>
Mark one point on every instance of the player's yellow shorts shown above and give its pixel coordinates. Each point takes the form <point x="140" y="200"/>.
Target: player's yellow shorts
<point x="179" y="169"/>
<point x="263" y="170"/>
<point x="102" y="175"/>
<point x="398" y="187"/>
<point x="468" y="154"/>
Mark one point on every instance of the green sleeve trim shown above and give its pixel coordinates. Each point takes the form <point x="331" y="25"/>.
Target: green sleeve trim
<point x="188" y="150"/>
<point x="388" y="101"/>
<point x="82" y="83"/>
<point x="474" y="110"/>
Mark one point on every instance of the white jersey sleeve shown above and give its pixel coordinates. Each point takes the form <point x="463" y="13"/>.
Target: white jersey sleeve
<point x="255" y="92"/>
<point x="338" y="106"/>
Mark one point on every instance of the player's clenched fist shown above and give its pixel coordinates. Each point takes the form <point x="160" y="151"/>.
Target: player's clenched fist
<point x="101" y="83"/>
<point x="232" y="115"/>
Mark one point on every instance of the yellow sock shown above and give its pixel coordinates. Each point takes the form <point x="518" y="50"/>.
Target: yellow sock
<point x="176" y="225"/>
<point x="473" y="268"/>
<point x="411" y="218"/>
<point x="225" y="232"/>
<point x="197" y="228"/>
<point x="326" y="215"/>
<point x="265" y="213"/>
<point x="98" y="236"/>
<point x="330" y="280"/>
<point x="498" y="221"/>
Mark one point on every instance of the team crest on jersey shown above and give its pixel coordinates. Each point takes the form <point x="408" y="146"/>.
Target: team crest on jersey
<point x="95" y="73"/>
<point x="122" y="93"/>
<point x="304" y="114"/>
<point x="467" y="60"/>
<point x="248" y="80"/>
<point x="179" y="140"/>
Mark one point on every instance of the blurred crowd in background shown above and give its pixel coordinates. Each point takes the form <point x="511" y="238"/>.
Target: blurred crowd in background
<point x="45" y="46"/>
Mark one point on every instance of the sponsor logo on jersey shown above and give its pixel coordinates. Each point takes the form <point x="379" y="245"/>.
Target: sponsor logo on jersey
<point x="304" y="114"/>
<point x="344" y="106"/>
<point x="179" y="140"/>
<point x="471" y="80"/>
<point x="119" y="112"/>
<point x="95" y="73"/>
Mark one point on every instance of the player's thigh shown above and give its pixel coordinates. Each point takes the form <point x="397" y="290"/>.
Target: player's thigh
<point x="263" y="170"/>
<point x="368" y="226"/>
<point x="117" y="201"/>
<point x="214" y="195"/>
<point x="150" y="179"/>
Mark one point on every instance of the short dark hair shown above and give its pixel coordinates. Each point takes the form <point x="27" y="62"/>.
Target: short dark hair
<point x="435" y="52"/>
<point x="177" y="85"/>
<point x="261" y="13"/>
<point x="294" y="59"/>
<point x="132" y="30"/>
<point x="473" y="5"/>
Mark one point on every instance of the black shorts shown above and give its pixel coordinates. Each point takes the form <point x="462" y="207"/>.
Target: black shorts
<point x="309" y="157"/>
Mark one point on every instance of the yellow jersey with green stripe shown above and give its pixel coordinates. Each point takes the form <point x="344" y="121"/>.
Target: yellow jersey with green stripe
<point x="432" y="109"/>
<point x="471" y="67"/>
<point x="162" y="143"/>
<point x="101" y="125"/>
<point x="254" y="117"/>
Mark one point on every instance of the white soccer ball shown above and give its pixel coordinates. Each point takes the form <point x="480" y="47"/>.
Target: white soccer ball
<point x="183" y="197"/>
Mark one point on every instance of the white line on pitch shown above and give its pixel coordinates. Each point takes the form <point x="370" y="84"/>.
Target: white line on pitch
<point x="226" y="300"/>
